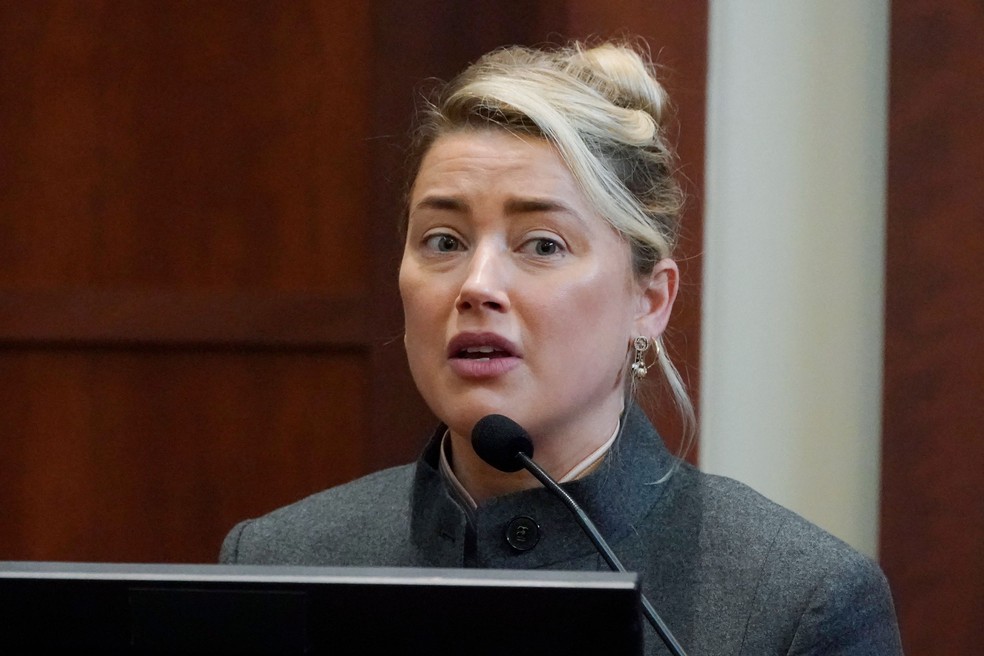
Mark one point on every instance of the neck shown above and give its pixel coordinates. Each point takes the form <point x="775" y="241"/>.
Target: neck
<point x="557" y="457"/>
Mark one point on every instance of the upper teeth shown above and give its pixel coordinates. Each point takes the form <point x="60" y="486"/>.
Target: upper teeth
<point x="479" y="349"/>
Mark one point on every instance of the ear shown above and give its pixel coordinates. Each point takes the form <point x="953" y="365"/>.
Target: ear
<point x="659" y="291"/>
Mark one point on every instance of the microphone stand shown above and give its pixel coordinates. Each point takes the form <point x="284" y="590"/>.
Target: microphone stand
<point x="602" y="546"/>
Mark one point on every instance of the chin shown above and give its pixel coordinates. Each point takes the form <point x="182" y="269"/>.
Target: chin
<point x="462" y="417"/>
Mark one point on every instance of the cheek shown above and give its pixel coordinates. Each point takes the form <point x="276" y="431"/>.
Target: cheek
<point x="594" y="321"/>
<point x="409" y="283"/>
<point x="421" y="310"/>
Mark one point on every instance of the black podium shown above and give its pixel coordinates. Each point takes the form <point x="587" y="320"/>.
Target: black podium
<point x="50" y="607"/>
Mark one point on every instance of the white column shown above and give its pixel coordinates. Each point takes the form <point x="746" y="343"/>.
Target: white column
<point x="794" y="229"/>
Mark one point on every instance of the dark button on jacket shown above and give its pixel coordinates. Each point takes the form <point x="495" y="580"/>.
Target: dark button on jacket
<point x="522" y="533"/>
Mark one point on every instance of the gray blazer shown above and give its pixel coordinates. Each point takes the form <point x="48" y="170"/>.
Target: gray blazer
<point x="729" y="571"/>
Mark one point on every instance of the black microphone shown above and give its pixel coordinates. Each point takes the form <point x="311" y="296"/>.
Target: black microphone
<point x="504" y="444"/>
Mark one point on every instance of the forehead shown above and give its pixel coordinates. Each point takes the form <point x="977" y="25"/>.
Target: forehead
<point x="477" y="160"/>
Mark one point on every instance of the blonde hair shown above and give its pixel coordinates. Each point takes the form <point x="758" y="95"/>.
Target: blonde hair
<point x="605" y="112"/>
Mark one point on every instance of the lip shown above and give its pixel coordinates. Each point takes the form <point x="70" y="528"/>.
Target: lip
<point x="482" y="367"/>
<point x="462" y="341"/>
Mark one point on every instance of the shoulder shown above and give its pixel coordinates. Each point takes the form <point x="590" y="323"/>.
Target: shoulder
<point x="737" y="521"/>
<point x="331" y="527"/>
<point x="798" y="584"/>
<point x="734" y="514"/>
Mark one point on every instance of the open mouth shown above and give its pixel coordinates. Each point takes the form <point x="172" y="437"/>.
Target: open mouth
<point x="481" y="346"/>
<point x="481" y="353"/>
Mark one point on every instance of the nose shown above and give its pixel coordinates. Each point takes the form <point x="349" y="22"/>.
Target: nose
<point x="485" y="284"/>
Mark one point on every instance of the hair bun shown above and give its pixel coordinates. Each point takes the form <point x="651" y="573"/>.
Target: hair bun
<point x="625" y="79"/>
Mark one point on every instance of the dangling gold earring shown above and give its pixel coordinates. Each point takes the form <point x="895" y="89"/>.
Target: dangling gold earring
<point x="640" y="346"/>
<point x="639" y="368"/>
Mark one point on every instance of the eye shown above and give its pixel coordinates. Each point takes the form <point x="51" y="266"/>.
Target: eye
<point x="443" y="243"/>
<point x="544" y="247"/>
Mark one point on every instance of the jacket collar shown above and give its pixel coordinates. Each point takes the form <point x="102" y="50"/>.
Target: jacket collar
<point x="616" y="496"/>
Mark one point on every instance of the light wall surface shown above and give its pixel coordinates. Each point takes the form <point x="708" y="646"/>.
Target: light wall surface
<point x="794" y="235"/>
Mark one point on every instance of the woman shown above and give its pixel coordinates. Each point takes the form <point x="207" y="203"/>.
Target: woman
<point x="537" y="281"/>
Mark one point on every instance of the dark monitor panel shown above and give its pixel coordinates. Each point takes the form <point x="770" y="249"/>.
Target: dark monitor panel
<point x="233" y="609"/>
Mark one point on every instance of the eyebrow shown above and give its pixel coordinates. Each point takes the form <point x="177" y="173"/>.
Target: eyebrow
<point x="530" y="205"/>
<point x="513" y="206"/>
<point x="440" y="203"/>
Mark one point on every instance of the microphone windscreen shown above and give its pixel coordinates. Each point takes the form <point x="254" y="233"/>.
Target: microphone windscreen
<point x="497" y="440"/>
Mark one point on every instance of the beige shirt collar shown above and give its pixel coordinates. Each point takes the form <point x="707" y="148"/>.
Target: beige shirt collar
<point x="468" y="502"/>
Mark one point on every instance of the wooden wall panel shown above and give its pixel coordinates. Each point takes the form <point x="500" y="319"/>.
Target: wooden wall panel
<point x="932" y="529"/>
<point x="152" y="455"/>
<point x="188" y="145"/>
<point x="184" y="258"/>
